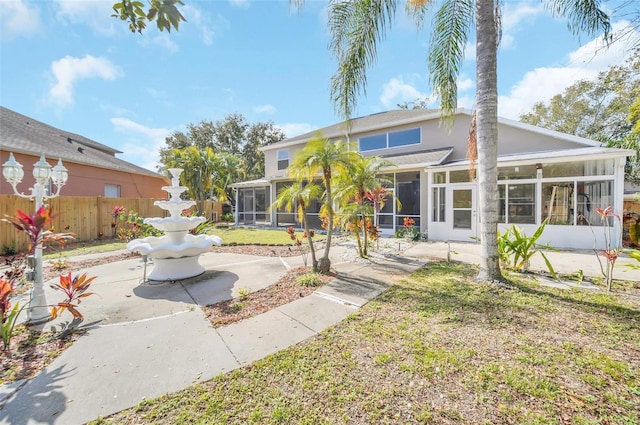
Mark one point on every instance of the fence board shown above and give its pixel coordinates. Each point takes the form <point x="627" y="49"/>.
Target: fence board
<point x="86" y="216"/>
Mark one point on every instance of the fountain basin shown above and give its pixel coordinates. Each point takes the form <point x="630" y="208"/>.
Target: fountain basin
<point x="176" y="224"/>
<point x="165" y="247"/>
<point x="174" y="261"/>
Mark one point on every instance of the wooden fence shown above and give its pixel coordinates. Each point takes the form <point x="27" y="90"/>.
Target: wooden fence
<point x="86" y="216"/>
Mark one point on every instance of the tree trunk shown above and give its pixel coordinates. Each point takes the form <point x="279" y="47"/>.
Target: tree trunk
<point x="312" y="250"/>
<point x="324" y="265"/>
<point x="487" y="137"/>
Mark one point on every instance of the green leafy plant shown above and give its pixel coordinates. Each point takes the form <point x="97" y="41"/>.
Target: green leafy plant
<point x="228" y="217"/>
<point x="409" y="230"/>
<point x="131" y="226"/>
<point x="309" y="280"/>
<point x="515" y="248"/>
<point x="7" y="314"/>
<point x="9" y="250"/>
<point x="74" y="289"/>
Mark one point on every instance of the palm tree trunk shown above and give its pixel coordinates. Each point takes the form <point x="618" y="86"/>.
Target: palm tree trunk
<point x="324" y="265"/>
<point x="364" y="251"/>
<point x="312" y="250"/>
<point x="487" y="135"/>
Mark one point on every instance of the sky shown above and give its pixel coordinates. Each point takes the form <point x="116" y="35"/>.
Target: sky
<point x="69" y="64"/>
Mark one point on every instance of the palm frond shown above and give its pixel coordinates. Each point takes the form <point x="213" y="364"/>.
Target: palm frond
<point x="584" y="16"/>
<point x="451" y="27"/>
<point x="356" y="27"/>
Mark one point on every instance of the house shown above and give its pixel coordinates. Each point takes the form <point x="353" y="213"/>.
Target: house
<point x="93" y="167"/>
<point x="542" y="174"/>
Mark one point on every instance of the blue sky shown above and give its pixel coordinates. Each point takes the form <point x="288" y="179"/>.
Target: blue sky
<point x="69" y="64"/>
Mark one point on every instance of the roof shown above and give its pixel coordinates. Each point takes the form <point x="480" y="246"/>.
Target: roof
<point x="397" y="117"/>
<point x="419" y="159"/>
<point x="592" y="152"/>
<point x="21" y="134"/>
<point x="251" y="183"/>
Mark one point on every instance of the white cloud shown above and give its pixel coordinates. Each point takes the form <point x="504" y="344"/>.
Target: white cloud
<point x="142" y="144"/>
<point x="157" y="94"/>
<point x="18" y="18"/>
<point x="203" y="24"/>
<point x="163" y="40"/>
<point x="397" y="91"/>
<point x="265" y="109"/>
<point x="68" y="70"/>
<point x="96" y="14"/>
<point x="470" y="51"/>
<point x="295" y="129"/>
<point x="239" y="3"/>
<point x="514" y="13"/>
<point x="465" y="83"/>
<point x="543" y="83"/>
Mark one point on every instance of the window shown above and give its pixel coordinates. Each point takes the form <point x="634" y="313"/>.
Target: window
<point x="517" y="203"/>
<point x="111" y="190"/>
<point x="589" y="196"/>
<point x="371" y="143"/>
<point x="283" y="159"/>
<point x="439" y="177"/>
<point x="404" y="138"/>
<point x="438" y="203"/>
<point x="392" y="139"/>
<point x="557" y="202"/>
<point x="461" y="176"/>
<point x="517" y="173"/>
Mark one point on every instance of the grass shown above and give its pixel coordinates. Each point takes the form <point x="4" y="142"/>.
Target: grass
<point x="438" y="348"/>
<point x="242" y="235"/>
<point x="85" y="247"/>
<point x="232" y="235"/>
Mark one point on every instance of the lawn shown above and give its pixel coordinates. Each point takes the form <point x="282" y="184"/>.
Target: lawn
<point x="439" y="348"/>
<point x="243" y="235"/>
<point x="231" y="235"/>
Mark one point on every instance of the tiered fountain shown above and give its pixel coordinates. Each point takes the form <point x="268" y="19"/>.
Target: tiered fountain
<point x="175" y="254"/>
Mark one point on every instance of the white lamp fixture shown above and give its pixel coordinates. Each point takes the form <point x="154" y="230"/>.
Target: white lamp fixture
<point x="13" y="173"/>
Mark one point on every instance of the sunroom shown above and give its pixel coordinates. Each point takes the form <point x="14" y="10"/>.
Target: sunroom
<point x="563" y="187"/>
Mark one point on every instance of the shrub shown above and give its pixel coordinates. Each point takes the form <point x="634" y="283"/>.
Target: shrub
<point x="309" y="280"/>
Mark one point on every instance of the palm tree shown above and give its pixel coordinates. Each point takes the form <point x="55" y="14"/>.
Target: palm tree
<point x="299" y="195"/>
<point x="198" y="165"/>
<point x="321" y="156"/>
<point x="365" y="175"/>
<point x="229" y="168"/>
<point x="357" y="26"/>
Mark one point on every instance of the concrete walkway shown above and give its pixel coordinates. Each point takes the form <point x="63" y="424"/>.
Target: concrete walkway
<point x="145" y="340"/>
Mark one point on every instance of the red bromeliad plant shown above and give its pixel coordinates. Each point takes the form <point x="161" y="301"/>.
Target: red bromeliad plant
<point x="75" y="289"/>
<point x="612" y="248"/>
<point x="32" y="225"/>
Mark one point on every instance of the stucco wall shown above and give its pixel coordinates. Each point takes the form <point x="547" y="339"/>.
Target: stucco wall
<point x="89" y="181"/>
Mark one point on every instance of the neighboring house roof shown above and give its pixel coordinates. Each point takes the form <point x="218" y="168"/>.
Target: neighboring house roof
<point x="384" y="120"/>
<point x="21" y="134"/>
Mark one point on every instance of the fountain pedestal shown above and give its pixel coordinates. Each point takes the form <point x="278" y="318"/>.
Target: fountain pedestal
<point x="176" y="253"/>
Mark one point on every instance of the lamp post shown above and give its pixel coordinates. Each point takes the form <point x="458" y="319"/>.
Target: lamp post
<point x="38" y="311"/>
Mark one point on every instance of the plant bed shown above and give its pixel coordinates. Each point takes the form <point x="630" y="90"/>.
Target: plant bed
<point x="285" y="290"/>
